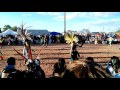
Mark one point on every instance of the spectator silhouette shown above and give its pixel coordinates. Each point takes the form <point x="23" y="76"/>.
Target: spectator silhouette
<point x="10" y="71"/>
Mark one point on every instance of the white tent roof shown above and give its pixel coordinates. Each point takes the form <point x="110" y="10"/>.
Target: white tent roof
<point x="9" y="32"/>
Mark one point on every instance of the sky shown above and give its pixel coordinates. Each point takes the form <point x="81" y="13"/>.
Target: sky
<point x="54" y="21"/>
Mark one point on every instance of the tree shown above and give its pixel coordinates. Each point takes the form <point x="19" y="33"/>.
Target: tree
<point x="118" y="31"/>
<point x="14" y="28"/>
<point x="6" y="27"/>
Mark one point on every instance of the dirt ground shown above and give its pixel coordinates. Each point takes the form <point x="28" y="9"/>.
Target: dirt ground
<point x="100" y="53"/>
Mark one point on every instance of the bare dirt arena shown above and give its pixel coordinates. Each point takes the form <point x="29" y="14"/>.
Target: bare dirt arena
<point x="50" y="55"/>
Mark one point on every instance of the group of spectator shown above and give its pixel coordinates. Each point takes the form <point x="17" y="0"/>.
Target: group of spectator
<point x="76" y="69"/>
<point x="40" y="39"/>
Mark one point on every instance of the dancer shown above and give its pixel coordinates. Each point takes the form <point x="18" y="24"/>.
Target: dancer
<point x="25" y="36"/>
<point x="26" y="48"/>
<point x="45" y="40"/>
<point x="75" y="55"/>
<point x="96" y="40"/>
<point x="110" y="39"/>
<point x="73" y="41"/>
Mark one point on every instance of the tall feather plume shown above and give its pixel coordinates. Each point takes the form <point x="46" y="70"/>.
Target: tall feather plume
<point x="70" y="37"/>
<point x="23" y="32"/>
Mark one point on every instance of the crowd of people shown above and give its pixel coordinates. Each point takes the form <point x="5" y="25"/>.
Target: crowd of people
<point x="49" y="39"/>
<point x="40" y="39"/>
<point x="76" y="68"/>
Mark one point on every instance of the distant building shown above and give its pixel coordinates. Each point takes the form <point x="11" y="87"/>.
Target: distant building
<point x="36" y="32"/>
<point x="94" y="33"/>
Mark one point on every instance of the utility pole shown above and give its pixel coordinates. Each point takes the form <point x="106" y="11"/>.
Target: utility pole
<point x="64" y="23"/>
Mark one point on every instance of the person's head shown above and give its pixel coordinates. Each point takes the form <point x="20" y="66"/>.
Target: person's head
<point x="11" y="61"/>
<point x="27" y="42"/>
<point x="115" y="62"/>
<point x="77" y="69"/>
<point x="62" y="61"/>
<point x="59" y="68"/>
<point x="30" y="64"/>
<point x="90" y="59"/>
<point x="73" y="42"/>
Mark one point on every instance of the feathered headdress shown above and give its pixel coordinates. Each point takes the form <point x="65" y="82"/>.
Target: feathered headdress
<point x="23" y="32"/>
<point x="70" y="37"/>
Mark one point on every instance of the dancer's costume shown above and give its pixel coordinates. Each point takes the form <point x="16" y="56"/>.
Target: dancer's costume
<point x="1" y="42"/>
<point x="110" y="39"/>
<point x="24" y="35"/>
<point x="27" y="53"/>
<point x="72" y="40"/>
<point x="1" y="57"/>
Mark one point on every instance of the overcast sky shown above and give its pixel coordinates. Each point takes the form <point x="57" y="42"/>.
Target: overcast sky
<point x="54" y="21"/>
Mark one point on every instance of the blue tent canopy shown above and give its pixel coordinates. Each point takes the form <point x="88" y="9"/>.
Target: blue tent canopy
<point x="54" y="33"/>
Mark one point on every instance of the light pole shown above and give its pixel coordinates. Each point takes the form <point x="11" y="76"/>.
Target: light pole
<point x="64" y="23"/>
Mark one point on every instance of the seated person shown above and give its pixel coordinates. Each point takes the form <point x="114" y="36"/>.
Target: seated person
<point x="91" y="62"/>
<point x="59" y="68"/>
<point x="9" y="71"/>
<point x="35" y="69"/>
<point x="113" y="67"/>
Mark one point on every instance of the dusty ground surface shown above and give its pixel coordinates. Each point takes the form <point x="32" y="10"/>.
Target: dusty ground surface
<point x="50" y="55"/>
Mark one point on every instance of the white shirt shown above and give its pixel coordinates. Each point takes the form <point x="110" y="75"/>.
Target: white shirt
<point x="25" y="53"/>
<point x="113" y="73"/>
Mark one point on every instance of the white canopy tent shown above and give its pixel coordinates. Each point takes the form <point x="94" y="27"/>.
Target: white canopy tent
<point x="9" y="32"/>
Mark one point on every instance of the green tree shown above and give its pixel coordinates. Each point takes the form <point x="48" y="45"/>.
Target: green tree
<point x="118" y="31"/>
<point x="14" y="28"/>
<point x="6" y="27"/>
